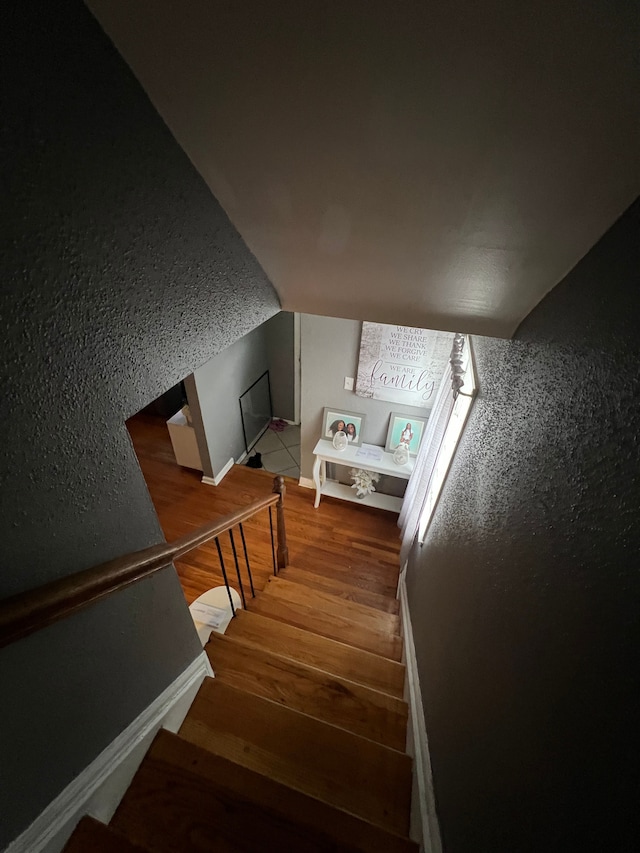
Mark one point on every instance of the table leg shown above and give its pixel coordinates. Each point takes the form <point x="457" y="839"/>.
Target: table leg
<point x="316" y="480"/>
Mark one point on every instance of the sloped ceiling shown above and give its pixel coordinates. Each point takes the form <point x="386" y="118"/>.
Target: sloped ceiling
<point x="434" y="164"/>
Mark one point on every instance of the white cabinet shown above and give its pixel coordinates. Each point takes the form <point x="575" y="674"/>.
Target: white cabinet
<point x="183" y="439"/>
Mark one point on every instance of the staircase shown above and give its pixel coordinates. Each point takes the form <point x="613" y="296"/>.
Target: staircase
<point x="297" y="744"/>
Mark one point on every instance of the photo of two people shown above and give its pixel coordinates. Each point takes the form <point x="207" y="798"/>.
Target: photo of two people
<point x="350" y="423"/>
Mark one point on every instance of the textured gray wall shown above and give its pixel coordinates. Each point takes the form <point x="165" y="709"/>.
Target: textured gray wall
<point x="219" y="384"/>
<point x="330" y="348"/>
<point x="120" y="275"/>
<point x="525" y="597"/>
<point x="281" y="356"/>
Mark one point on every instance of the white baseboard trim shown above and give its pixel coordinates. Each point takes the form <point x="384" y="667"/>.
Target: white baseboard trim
<point x="287" y="421"/>
<point x="219" y="477"/>
<point x="306" y="482"/>
<point x="424" y="820"/>
<point x="98" y="789"/>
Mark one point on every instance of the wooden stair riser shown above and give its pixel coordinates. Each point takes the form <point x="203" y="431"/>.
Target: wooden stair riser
<point x="258" y="631"/>
<point x="334" y="700"/>
<point x="336" y="766"/>
<point x="201" y="801"/>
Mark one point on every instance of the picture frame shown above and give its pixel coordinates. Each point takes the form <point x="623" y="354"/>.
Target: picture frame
<point x="333" y="417"/>
<point x="408" y="429"/>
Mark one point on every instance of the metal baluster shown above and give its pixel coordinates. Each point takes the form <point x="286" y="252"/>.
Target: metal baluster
<point x="224" y="575"/>
<point x="235" y="559"/>
<point x="246" y="559"/>
<point x="273" y="544"/>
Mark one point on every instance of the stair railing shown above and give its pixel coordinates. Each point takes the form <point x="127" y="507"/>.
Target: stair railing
<point x="27" y="612"/>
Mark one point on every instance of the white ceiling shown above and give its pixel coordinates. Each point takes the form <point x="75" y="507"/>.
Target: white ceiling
<point x="433" y="164"/>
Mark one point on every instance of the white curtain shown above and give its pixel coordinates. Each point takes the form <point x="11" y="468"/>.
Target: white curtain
<point x="419" y="481"/>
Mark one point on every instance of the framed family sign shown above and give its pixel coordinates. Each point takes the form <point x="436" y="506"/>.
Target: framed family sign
<point x="402" y="364"/>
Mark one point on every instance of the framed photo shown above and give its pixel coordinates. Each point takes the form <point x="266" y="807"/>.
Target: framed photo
<point x="405" y="429"/>
<point x="335" y="420"/>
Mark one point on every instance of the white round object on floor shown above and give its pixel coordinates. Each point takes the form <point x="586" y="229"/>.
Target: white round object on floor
<point x="211" y="611"/>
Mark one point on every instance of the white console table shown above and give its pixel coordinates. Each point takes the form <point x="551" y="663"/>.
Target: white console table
<point x="325" y="452"/>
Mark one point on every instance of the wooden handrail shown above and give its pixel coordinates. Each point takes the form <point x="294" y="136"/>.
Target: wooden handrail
<point x="27" y="612"/>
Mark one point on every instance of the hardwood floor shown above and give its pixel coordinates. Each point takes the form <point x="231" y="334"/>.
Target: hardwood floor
<point x="340" y="540"/>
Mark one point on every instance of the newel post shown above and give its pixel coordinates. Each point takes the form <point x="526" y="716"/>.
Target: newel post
<point x="279" y="488"/>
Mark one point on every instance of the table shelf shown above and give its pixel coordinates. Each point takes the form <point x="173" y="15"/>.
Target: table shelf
<point x="332" y="489"/>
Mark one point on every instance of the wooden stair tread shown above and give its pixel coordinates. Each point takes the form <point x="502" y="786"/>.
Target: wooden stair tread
<point x="294" y="643"/>
<point x="91" y="836"/>
<point x="197" y="801"/>
<point x="338" y="767"/>
<point x="368" y="617"/>
<point x="324" y="562"/>
<point x="336" y="627"/>
<point x="341" y="589"/>
<point x="359" y="709"/>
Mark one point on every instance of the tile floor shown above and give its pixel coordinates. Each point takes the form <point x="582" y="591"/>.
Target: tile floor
<point x="280" y="451"/>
